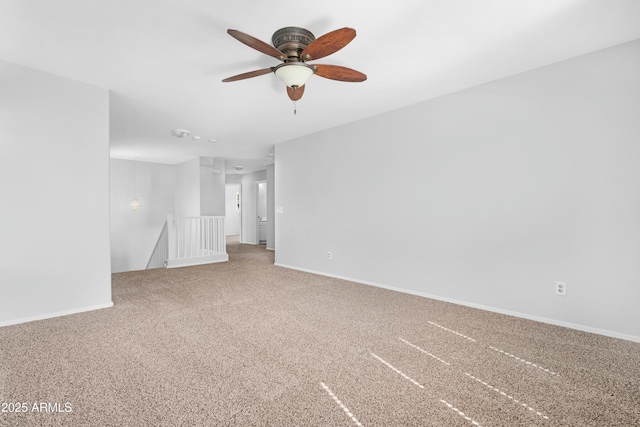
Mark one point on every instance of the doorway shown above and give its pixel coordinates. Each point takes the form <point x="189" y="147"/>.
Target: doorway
<point x="261" y="209"/>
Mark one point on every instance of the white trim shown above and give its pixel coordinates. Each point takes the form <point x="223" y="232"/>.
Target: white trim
<point x="56" y="314"/>
<point x="569" y="325"/>
<point x="207" y="259"/>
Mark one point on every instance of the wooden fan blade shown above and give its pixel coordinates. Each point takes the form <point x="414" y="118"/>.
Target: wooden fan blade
<point x="248" y="75"/>
<point x="328" y="44"/>
<point x="295" y="93"/>
<point x="258" y="45"/>
<point x="336" y="72"/>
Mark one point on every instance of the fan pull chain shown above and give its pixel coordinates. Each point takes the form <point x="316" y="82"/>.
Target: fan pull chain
<point x="294" y="108"/>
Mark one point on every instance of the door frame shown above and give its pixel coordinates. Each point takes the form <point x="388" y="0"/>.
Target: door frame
<point x="257" y="217"/>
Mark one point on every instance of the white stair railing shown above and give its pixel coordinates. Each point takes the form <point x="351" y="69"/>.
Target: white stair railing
<point x="196" y="240"/>
<point x="191" y="241"/>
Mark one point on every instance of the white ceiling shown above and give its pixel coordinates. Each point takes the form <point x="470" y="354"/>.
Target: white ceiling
<point x="164" y="60"/>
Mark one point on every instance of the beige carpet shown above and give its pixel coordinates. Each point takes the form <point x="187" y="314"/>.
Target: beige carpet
<point x="246" y="343"/>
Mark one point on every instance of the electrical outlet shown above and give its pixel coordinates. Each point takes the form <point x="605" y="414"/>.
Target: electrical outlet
<point x="561" y="288"/>
<point x="329" y="255"/>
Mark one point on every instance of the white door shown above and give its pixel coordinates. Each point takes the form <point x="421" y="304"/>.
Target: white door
<point x="232" y="209"/>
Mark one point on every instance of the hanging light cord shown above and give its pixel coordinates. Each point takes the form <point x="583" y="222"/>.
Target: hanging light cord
<point x="135" y="196"/>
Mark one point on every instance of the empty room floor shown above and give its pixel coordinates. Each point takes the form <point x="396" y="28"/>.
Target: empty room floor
<point x="247" y="343"/>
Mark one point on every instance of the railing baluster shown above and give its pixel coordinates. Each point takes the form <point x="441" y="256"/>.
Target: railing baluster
<point x="207" y="234"/>
<point x="217" y="243"/>
<point x="189" y="237"/>
<point x="181" y="238"/>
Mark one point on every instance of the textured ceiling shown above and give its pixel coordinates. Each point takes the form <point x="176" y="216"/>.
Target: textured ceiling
<point x="164" y="60"/>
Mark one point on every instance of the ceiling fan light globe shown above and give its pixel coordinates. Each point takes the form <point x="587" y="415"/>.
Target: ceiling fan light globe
<point x="294" y="75"/>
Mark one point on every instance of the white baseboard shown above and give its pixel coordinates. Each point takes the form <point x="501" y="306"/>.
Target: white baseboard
<point x="207" y="259"/>
<point x="569" y="325"/>
<point x="55" y="314"/>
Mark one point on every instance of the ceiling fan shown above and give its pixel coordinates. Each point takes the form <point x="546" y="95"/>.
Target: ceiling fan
<point x="295" y="46"/>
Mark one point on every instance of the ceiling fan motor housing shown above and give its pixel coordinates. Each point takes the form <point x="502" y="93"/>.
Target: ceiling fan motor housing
<point x="292" y="41"/>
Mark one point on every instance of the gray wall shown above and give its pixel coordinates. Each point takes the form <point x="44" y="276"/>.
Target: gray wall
<point x="134" y="234"/>
<point x="187" y="196"/>
<point x="485" y="197"/>
<point x="212" y="192"/>
<point x="54" y="190"/>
